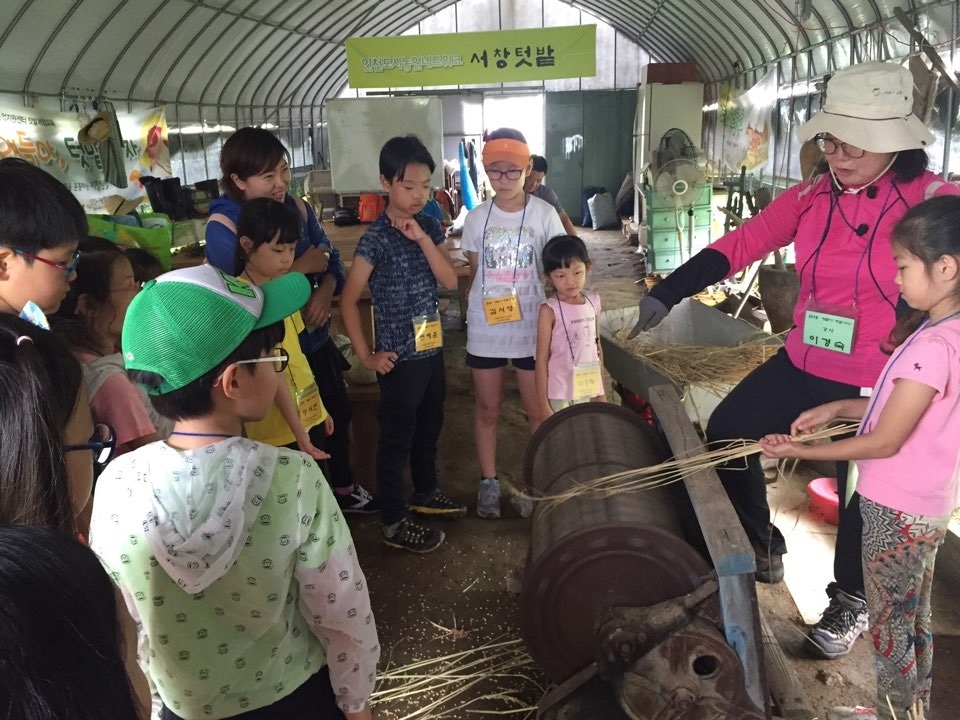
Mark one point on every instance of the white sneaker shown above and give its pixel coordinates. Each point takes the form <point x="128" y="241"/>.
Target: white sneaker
<point x="843" y="621"/>
<point x="488" y="498"/>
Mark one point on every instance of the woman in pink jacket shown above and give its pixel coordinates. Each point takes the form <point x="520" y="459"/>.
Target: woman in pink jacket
<point x="840" y="223"/>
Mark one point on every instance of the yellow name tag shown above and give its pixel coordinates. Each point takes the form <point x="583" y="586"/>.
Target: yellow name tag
<point x="501" y="309"/>
<point x="427" y="333"/>
<point x="587" y="381"/>
<point x="309" y="405"/>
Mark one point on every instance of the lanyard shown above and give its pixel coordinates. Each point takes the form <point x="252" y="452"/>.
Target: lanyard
<point x="566" y="332"/>
<point x="483" y="245"/>
<point x="893" y="361"/>
<point x="835" y="204"/>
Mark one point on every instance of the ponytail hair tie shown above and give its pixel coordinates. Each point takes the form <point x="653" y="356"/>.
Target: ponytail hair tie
<point x="24" y="338"/>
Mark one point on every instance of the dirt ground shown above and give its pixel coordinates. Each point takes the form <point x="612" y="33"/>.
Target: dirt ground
<point x="438" y="614"/>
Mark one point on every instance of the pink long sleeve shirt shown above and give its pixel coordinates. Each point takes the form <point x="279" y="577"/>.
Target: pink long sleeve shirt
<point x="843" y="257"/>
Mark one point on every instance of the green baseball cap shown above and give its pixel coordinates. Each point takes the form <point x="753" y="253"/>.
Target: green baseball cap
<point x="186" y="322"/>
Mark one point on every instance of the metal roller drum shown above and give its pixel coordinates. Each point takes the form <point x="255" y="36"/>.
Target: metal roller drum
<point x="592" y="552"/>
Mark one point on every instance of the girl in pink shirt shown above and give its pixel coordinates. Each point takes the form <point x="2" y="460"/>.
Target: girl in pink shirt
<point x="907" y="455"/>
<point x="568" y="341"/>
<point x="90" y="318"/>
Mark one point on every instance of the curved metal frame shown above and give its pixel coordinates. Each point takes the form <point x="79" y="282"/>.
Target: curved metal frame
<point x="310" y="66"/>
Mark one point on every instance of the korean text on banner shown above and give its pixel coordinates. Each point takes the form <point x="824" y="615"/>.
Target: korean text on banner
<point x="472" y="58"/>
<point x="48" y="140"/>
<point x="745" y="124"/>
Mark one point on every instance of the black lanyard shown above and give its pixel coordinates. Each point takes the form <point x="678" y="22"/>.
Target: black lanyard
<point x="566" y="332"/>
<point x="483" y="241"/>
<point x="835" y="205"/>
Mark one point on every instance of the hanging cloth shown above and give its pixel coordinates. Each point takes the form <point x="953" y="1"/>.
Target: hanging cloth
<point x="472" y="164"/>
<point x="468" y="191"/>
<point x="103" y="131"/>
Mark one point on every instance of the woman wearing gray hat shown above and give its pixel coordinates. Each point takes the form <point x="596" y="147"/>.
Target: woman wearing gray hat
<point x="840" y="223"/>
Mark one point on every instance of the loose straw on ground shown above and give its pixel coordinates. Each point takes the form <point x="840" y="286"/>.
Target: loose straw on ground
<point x="914" y="712"/>
<point x="673" y="471"/>
<point x="712" y="367"/>
<point x="503" y="664"/>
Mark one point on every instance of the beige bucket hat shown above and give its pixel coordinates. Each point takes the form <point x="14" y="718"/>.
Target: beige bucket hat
<point x="118" y="205"/>
<point x="871" y="106"/>
<point x="96" y="131"/>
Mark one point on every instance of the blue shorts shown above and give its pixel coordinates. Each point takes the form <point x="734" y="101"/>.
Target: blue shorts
<point x="478" y="362"/>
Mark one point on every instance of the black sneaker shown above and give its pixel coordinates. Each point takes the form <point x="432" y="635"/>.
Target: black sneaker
<point x="407" y="535"/>
<point x="436" y="505"/>
<point x="358" y="502"/>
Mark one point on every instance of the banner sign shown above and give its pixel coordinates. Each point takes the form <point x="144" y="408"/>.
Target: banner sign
<point x="49" y="140"/>
<point x="472" y="58"/>
<point x="745" y="123"/>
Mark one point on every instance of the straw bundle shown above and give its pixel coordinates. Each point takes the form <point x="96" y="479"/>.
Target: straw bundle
<point x="712" y="367"/>
<point x="675" y="470"/>
<point x="452" y="685"/>
<point x="914" y="712"/>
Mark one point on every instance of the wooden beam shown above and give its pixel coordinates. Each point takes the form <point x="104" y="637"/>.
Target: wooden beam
<point x="785" y="688"/>
<point x="926" y="47"/>
<point x="730" y="550"/>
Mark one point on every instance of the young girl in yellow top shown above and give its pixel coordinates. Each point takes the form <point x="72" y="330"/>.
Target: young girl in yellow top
<point x="268" y="234"/>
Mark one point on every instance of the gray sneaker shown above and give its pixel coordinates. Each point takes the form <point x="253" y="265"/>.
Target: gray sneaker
<point x="488" y="498"/>
<point x="840" y="625"/>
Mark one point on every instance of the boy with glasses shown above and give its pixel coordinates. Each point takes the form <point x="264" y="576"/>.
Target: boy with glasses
<point x="233" y="555"/>
<point x="41" y="224"/>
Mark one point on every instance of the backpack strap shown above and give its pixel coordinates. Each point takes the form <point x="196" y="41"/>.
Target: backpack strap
<point x="302" y="207"/>
<point x="225" y="221"/>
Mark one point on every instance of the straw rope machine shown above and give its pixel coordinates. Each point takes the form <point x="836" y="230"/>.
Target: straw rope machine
<point x="620" y="606"/>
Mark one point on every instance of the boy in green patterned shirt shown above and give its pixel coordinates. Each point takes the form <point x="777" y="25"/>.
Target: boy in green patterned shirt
<point x="233" y="556"/>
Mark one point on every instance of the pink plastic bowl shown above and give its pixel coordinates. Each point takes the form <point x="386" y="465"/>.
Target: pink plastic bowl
<point x="823" y="499"/>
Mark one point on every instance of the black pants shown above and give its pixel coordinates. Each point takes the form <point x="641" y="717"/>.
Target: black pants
<point x="410" y="415"/>
<point x="767" y="401"/>
<point x="328" y="365"/>
<point x="314" y="699"/>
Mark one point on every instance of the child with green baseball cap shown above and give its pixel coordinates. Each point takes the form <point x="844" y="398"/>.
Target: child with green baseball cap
<point x="233" y="556"/>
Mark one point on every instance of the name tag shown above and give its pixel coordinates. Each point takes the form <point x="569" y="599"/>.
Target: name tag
<point x="829" y="331"/>
<point x="501" y="307"/>
<point x="427" y="333"/>
<point x="309" y="405"/>
<point x="587" y="381"/>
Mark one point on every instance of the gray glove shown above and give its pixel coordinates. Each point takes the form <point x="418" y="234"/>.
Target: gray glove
<point x="651" y="312"/>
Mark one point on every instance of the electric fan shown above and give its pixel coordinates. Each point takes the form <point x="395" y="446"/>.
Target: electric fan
<point x="679" y="183"/>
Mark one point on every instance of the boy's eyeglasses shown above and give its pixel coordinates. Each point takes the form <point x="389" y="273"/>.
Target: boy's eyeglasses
<point x="102" y="443"/>
<point x="828" y="146"/>
<point x="511" y="174"/>
<point x="68" y="267"/>
<point x="279" y="358"/>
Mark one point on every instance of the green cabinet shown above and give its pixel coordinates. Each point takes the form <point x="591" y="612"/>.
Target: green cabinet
<point x="675" y="235"/>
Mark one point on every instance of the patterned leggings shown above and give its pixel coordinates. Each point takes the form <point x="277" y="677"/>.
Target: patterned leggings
<point x="898" y="555"/>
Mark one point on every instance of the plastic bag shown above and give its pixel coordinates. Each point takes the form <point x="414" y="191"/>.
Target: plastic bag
<point x="602" y="212"/>
<point x="155" y="236"/>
